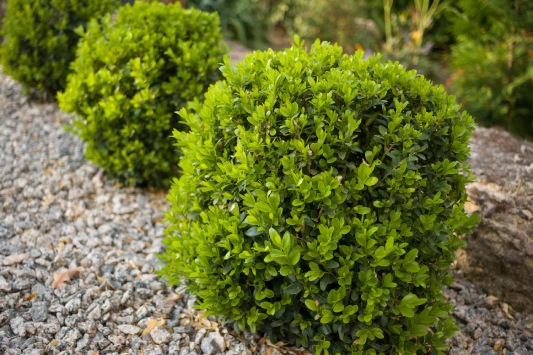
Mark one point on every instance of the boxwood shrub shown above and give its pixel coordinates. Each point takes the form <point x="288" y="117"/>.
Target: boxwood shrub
<point x="321" y="201"/>
<point x="40" y="40"/>
<point x="133" y="72"/>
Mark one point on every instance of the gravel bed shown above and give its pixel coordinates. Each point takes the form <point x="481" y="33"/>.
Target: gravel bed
<point x="77" y="260"/>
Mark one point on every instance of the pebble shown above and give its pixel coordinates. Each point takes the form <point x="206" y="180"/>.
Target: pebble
<point x="213" y="343"/>
<point x="95" y="312"/>
<point x="83" y="342"/>
<point x="160" y="335"/>
<point x="17" y="326"/>
<point x="72" y="336"/>
<point x="4" y="285"/>
<point x="51" y="327"/>
<point x="39" y="311"/>
<point x="73" y="305"/>
<point x="22" y="284"/>
<point x="15" y="259"/>
<point x="239" y="349"/>
<point x="129" y="329"/>
<point x="154" y="350"/>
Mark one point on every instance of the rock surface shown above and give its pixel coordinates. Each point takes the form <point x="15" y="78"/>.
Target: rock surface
<point x="499" y="253"/>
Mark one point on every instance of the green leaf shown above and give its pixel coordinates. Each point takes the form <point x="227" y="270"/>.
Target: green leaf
<point x="252" y="232"/>
<point x="325" y="281"/>
<point x="387" y="281"/>
<point x="294" y="257"/>
<point x="314" y="273"/>
<point x="411" y="300"/>
<point x="350" y="310"/>
<point x="279" y="257"/>
<point x="285" y="270"/>
<point x="411" y="256"/>
<point x="362" y="210"/>
<point x="293" y="289"/>
<point x="275" y="237"/>
<point x="264" y="207"/>
<point x="338" y="307"/>
<point x="407" y="312"/>
<point x="371" y="181"/>
<point x="412" y="267"/>
<point x="327" y="317"/>
<point x="332" y="264"/>
<point x="272" y="271"/>
<point x="286" y="242"/>
<point x="419" y="330"/>
<point x="311" y="304"/>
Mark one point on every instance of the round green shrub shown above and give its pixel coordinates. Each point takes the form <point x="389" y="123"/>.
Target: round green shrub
<point x="321" y="201"/>
<point x="40" y="40"/>
<point x="132" y="74"/>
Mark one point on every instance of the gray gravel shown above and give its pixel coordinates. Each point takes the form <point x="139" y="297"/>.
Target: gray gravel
<point x="77" y="252"/>
<point x="77" y="260"/>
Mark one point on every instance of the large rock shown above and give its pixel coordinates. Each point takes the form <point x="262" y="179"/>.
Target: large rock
<point x="499" y="254"/>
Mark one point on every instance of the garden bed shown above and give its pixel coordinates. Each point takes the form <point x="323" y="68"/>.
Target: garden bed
<point x="78" y="260"/>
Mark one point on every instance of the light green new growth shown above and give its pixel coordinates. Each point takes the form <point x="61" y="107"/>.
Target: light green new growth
<point x="131" y="76"/>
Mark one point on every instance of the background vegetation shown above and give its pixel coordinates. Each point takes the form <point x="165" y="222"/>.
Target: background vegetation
<point x="41" y="40"/>
<point x="481" y="49"/>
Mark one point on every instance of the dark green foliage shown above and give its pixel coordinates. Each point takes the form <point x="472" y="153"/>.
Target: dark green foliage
<point x="240" y="19"/>
<point x="493" y="62"/>
<point x="132" y="74"/>
<point x="40" y="40"/>
<point x="320" y="201"/>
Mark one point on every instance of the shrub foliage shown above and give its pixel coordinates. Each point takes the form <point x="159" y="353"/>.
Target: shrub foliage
<point x="321" y="199"/>
<point x="40" y="40"/>
<point x="131" y="76"/>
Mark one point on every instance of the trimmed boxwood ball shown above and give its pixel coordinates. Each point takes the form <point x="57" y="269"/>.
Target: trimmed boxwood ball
<point x="133" y="72"/>
<point x="40" y="40"/>
<point x="321" y="201"/>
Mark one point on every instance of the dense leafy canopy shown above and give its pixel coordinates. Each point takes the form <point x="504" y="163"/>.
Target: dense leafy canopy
<point x="321" y="199"/>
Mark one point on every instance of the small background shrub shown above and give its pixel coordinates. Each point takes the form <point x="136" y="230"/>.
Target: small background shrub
<point x="132" y="74"/>
<point x="493" y="62"/>
<point x="351" y="24"/>
<point x="240" y="19"/>
<point x="321" y="199"/>
<point x="40" y="40"/>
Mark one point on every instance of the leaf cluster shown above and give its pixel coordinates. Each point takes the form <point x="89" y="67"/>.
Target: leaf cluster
<point x="132" y="73"/>
<point x="40" y="40"/>
<point x="321" y="200"/>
